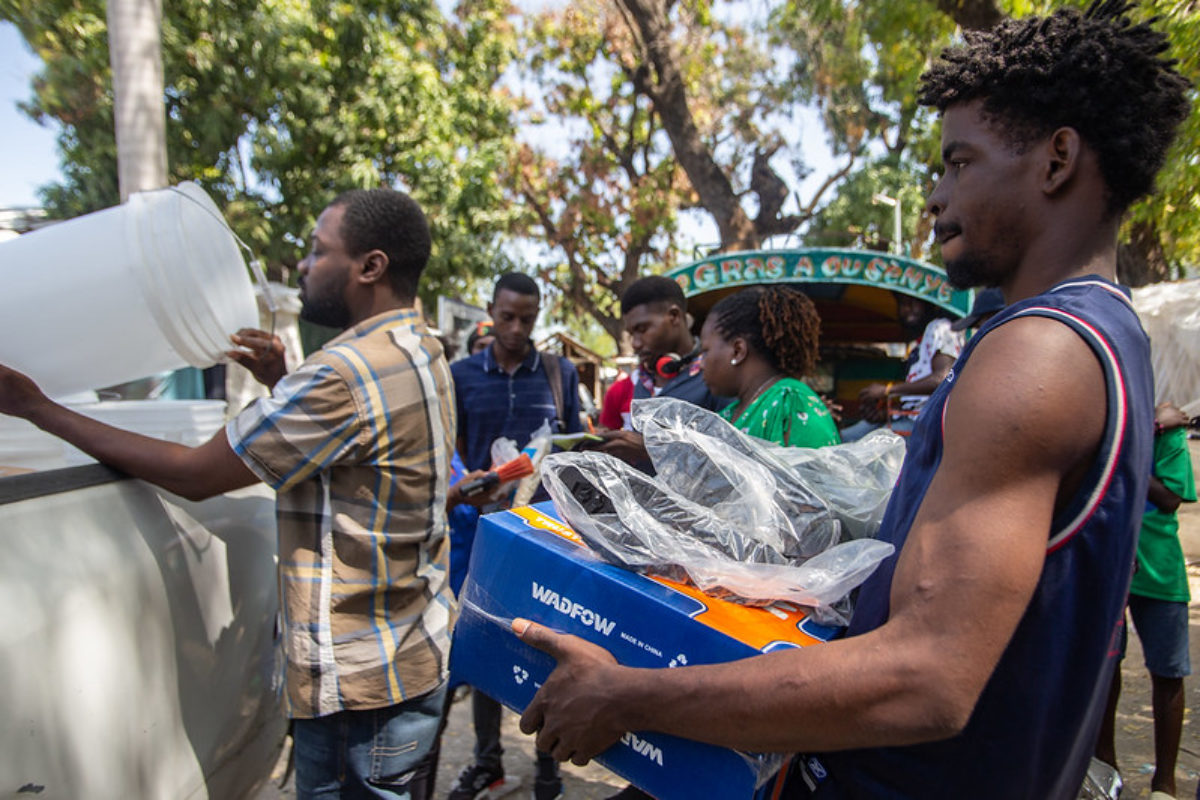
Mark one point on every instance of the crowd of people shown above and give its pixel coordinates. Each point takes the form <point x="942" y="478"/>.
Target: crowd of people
<point x="981" y="659"/>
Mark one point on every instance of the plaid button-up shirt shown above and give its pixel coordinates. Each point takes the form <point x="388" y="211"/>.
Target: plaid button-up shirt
<point x="357" y="443"/>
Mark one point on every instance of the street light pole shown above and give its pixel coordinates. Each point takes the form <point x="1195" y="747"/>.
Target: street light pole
<point x="882" y="199"/>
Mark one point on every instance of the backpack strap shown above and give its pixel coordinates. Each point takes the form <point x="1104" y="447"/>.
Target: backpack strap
<point x="553" y="367"/>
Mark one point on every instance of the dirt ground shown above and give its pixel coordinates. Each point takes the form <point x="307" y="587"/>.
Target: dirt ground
<point x="1135" y="735"/>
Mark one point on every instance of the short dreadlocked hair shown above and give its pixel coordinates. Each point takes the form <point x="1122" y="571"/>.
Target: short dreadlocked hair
<point x="1096" y="71"/>
<point x="778" y="322"/>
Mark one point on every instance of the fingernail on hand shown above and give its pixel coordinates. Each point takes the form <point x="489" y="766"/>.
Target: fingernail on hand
<point x="519" y="626"/>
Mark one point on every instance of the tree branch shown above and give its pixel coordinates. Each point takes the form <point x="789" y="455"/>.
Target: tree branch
<point x="977" y="15"/>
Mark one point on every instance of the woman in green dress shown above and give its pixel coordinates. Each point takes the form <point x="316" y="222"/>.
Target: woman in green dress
<point x="758" y="344"/>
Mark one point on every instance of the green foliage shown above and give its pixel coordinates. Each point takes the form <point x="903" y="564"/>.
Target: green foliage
<point x="860" y="60"/>
<point x="854" y="219"/>
<point x="277" y="106"/>
<point x="1174" y="209"/>
<point x="605" y="201"/>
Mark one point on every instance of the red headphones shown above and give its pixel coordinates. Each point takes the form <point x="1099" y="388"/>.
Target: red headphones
<point x="670" y="364"/>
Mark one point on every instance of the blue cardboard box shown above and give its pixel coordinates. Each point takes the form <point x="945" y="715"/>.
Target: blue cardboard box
<point x="526" y="563"/>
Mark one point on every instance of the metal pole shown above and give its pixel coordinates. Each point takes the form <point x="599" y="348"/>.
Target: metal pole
<point x="899" y="248"/>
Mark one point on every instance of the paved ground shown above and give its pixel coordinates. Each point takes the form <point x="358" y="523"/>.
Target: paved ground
<point x="1135" y="737"/>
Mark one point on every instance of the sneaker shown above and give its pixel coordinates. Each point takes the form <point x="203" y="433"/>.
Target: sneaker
<point x="551" y="789"/>
<point x="479" y="782"/>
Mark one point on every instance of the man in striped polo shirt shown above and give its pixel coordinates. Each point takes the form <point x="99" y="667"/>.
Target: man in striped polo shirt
<point x="357" y="443"/>
<point x="508" y="390"/>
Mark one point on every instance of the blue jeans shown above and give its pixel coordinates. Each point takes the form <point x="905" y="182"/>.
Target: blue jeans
<point x="366" y="754"/>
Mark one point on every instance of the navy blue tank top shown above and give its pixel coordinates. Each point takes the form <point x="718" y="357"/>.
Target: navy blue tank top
<point x="1034" y="728"/>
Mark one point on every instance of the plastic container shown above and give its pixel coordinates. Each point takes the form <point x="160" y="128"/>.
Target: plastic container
<point x="26" y="447"/>
<point x="190" y="422"/>
<point x="149" y="286"/>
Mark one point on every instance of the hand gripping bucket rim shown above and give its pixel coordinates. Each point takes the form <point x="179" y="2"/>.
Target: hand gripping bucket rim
<point x="198" y="305"/>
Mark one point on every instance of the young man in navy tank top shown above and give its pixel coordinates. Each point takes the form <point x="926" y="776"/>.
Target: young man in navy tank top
<point x="979" y="656"/>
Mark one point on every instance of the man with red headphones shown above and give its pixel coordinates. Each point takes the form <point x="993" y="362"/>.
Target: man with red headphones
<point x="654" y="314"/>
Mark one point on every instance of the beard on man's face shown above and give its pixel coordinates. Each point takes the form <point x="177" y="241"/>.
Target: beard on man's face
<point x="967" y="272"/>
<point x="330" y="311"/>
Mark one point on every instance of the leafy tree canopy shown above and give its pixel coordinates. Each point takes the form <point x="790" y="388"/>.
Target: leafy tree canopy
<point x="276" y="106"/>
<point x="860" y="60"/>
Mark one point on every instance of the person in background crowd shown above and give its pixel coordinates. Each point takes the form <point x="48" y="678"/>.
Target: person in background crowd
<point x="758" y="344"/>
<point x="979" y="656"/>
<point x="481" y="337"/>
<point x="670" y="364"/>
<point x="654" y="313"/>
<point x="1158" y="602"/>
<point x="987" y="304"/>
<point x="362" y="572"/>
<point x="929" y="362"/>
<point x="614" y="409"/>
<point x="508" y="389"/>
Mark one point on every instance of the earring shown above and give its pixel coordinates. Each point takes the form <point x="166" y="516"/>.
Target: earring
<point x="733" y="362"/>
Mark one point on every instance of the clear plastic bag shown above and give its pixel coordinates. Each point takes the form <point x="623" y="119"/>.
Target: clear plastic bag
<point x="854" y="480"/>
<point x="736" y="516"/>
<point x="504" y="450"/>
<point x="537" y="447"/>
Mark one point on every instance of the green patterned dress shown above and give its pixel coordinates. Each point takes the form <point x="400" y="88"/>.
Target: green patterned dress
<point x="787" y="413"/>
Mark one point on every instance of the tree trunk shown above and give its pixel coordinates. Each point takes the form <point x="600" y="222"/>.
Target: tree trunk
<point x="670" y="102"/>
<point x="1140" y="260"/>
<point x="135" y="53"/>
<point x="974" y="15"/>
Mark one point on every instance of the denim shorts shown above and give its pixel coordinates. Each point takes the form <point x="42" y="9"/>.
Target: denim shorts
<point x="1162" y="628"/>
<point x="366" y="754"/>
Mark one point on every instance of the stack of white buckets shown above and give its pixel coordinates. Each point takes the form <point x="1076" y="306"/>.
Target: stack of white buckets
<point x="152" y="285"/>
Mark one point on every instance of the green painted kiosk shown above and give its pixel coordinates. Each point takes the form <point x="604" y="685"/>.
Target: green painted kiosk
<point x="854" y="292"/>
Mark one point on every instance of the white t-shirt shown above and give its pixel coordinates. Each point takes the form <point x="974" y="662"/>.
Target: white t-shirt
<point x="937" y="338"/>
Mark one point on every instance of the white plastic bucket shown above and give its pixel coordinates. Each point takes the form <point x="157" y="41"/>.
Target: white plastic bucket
<point x="189" y="422"/>
<point x="152" y="285"/>
<point x="27" y="447"/>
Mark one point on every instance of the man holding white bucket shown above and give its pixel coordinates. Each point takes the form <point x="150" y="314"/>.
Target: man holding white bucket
<point x="357" y="444"/>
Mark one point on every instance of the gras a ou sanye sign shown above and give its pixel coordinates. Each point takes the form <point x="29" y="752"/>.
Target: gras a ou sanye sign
<point x="862" y="267"/>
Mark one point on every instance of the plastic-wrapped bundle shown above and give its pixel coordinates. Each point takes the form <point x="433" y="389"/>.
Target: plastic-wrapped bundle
<point x="855" y="479"/>
<point x="632" y="519"/>
<point x="699" y="454"/>
<point x="728" y="513"/>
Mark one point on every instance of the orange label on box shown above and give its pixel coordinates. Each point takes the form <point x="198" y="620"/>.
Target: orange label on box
<point x="537" y="519"/>
<point x="759" y="627"/>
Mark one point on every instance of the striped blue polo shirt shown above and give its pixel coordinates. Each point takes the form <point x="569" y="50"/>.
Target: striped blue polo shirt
<point x="492" y="403"/>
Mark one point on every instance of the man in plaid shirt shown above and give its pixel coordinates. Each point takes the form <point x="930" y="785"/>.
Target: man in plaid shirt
<point x="357" y="443"/>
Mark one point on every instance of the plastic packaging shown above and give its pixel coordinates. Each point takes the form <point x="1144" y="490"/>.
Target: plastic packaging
<point x="537" y="448"/>
<point x="690" y="447"/>
<point x="736" y="516"/>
